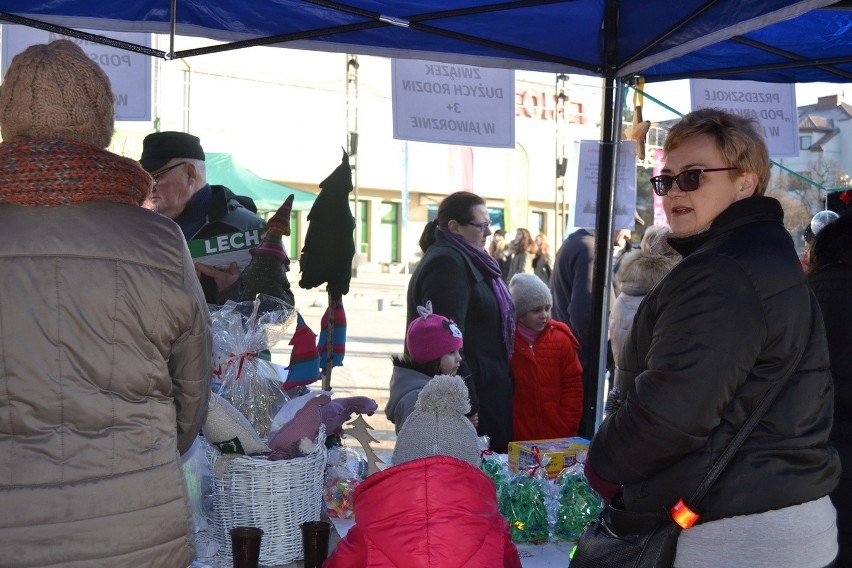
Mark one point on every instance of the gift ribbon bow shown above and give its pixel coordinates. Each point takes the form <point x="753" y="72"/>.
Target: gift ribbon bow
<point x="536" y="454"/>
<point x="243" y="358"/>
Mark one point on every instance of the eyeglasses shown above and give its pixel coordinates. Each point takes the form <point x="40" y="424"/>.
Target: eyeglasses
<point x="481" y="226"/>
<point x="687" y="180"/>
<point x="164" y="171"/>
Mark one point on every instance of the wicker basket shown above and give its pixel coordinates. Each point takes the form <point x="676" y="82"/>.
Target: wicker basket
<point x="276" y="496"/>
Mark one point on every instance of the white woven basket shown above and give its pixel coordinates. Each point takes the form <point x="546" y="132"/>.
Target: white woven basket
<point x="276" y="496"/>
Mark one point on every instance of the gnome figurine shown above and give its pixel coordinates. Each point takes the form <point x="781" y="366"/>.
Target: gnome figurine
<point x="267" y="271"/>
<point x="329" y="244"/>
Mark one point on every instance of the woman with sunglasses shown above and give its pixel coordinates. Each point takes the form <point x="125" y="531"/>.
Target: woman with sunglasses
<point x="464" y="283"/>
<point x="727" y="323"/>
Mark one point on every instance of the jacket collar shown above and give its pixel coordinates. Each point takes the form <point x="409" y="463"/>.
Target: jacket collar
<point x="742" y="212"/>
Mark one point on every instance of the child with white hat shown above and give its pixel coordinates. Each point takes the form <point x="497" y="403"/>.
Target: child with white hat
<point x="433" y="345"/>
<point x="548" y="398"/>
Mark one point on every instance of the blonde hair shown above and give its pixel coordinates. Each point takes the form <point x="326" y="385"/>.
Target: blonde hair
<point x="738" y="138"/>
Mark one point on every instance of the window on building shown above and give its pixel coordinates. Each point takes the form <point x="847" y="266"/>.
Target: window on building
<point x="537" y="222"/>
<point x="804" y="142"/>
<point x="386" y="247"/>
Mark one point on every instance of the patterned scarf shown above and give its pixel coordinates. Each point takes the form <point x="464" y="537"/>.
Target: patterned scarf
<point x="489" y="268"/>
<point x="61" y="172"/>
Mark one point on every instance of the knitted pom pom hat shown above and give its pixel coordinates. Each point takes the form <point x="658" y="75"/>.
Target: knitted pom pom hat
<point x="431" y="336"/>
<point x="529" y="292"/>
<point x="55" y="91"/>
<point x="438" y="426"/>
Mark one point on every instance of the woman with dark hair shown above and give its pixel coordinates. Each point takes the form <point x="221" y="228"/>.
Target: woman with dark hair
<point x="464" y="283"/>
<point x="830" y="277"/>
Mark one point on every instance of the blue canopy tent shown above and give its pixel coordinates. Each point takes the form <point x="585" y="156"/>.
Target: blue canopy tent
<point x="268" y="195"/>
<point x="786" y="41"/>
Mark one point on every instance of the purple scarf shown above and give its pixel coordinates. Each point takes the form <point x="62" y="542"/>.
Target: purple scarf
<point x="489" y="268"/>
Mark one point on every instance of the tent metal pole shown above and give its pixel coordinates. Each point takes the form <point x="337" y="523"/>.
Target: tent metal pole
<point x="172" y="30"/>
<point x="610" y="132"/>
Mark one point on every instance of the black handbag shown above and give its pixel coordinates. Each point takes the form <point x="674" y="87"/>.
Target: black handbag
<point x="625" y="539"/>
<point x="622" y="539"/>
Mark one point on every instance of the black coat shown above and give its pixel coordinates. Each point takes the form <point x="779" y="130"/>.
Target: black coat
<point x="832" y="284"/>
<point x="448" y="278"/>
<point x="707" y="342"/>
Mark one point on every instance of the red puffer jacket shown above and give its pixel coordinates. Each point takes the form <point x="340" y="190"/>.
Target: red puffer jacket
<point x="436" y="511"/>
<point x="548" y="399"/>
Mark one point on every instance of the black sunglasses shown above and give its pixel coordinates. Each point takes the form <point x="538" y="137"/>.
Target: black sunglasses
<point x="164" y="171"/>
<point x="687" y="180"/>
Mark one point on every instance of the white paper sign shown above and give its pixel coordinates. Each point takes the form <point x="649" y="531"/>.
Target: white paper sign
<point x="453" y="104"/>
<point x="128" y="72"/>
<point x="588" y="168"/>
<point x="772" y="104"/>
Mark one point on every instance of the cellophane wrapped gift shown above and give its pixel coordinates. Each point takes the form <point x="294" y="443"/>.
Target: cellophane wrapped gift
<point x="578" y="505"/>
<point x="496" y="467"/>
<point x="243" y="333"/>
<point x="529" y="492"/>
<point x="346" y="470"/>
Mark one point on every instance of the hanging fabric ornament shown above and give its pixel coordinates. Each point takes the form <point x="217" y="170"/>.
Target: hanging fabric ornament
<point x="267" y="271"/>
<point x="338" y="336"/>
<point x="638" y="131"/>
<point x="304" y="365"/>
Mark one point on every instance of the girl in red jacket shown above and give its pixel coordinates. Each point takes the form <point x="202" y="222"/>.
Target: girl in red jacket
<point x="548" y="399"/>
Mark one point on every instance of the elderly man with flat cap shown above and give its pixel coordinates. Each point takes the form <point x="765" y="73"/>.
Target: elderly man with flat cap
<point x="176" y="162"/>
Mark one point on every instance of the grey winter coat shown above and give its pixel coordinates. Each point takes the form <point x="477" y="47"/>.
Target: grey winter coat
<point x="105" y="349"/>
<point x="405" y="387"/>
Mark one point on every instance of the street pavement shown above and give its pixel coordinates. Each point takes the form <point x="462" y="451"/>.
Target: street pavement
<point x="375" y="330"/>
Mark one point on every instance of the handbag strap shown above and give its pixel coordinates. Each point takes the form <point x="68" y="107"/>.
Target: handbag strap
<point x="743" y="433"/>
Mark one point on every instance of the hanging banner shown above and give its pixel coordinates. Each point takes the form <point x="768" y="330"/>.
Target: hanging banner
<point x="453" y="103"/>
<point x="773" y="105"/>
<point x="588" y="169"/>
<point x="129" y="72"/>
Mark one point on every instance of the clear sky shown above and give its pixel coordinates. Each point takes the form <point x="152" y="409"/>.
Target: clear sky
<point x="676" y="95"/>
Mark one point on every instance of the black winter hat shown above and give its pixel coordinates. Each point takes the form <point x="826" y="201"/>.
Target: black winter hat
<point x="160" y="147"/>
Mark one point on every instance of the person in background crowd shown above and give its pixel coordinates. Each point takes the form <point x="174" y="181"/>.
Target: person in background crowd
<point x="463" y="283"/>
<point x="106" y="336"/>
<point x="640" y="271"/>
<point x="542" y="263"/>
<point x="523" y="251"/>
<point x="548" y="400"/>
<point x="621" y="246"/>
<point x="808" y="239"/>
<point x="176" y="161"/>
<point x="731" y="320"/>
<point x="571" y="285"/>
<point x="830" y="277"/>
<point x="499" y="251"/>
<point x="433" y="506"/>
<point x="433" y="343"/>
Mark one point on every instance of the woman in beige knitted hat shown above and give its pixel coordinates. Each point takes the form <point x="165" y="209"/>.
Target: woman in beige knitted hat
<point x="105" y="348"/>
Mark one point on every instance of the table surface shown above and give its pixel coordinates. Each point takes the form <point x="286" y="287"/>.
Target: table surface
<point x="551" y="554"/>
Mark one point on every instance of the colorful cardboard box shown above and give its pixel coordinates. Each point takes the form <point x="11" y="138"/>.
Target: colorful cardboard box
<point x="562" y="452"/>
